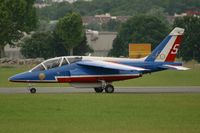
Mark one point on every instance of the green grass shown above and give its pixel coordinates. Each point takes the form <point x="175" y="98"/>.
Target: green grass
<point x="164" y="78"/>
<point x="99" y="113"/>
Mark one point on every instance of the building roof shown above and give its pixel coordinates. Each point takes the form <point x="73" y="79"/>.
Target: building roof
<point x="101" y="19"/>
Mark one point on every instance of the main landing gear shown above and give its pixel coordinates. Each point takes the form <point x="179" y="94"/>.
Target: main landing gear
<point x="107" y="87"/>
<point x="98" y="89"/>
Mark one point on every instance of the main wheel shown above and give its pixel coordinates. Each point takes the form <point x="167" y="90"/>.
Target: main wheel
<point x="98" y="89"/>
<point x="109" y="88"/>
<point x="32" y="90"/>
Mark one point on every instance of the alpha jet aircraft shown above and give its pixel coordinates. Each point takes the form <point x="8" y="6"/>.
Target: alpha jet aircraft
<point x="100" y="72"/>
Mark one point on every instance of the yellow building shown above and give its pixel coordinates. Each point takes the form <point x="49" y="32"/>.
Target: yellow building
<point x="139" y="50"/>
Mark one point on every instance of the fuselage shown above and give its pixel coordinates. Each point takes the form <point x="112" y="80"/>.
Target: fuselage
<point x="65" y="69"/>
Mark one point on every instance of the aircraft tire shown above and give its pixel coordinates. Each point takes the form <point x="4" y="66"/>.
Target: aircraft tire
<point x="109" y="88"/>
<point x="98" y="90"/>
<point x="32" y="90"/>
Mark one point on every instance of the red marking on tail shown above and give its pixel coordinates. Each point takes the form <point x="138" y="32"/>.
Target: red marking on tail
<point x="172" y="53"/>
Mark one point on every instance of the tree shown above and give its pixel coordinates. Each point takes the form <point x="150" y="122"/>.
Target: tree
<point x="94" y="26"/>
<point x="17" y="16"/>
<point x="159" y="13"/>
<point x="82" y="48"/>
<point x="40" y="44"/>
<point x="138" y="29"/>
<point x="54" y="11"/>
<point x="190" y="48"/>
<point x="70" y="31"/>
<point x="48" y="45"/>
<point x="111" y="25"/>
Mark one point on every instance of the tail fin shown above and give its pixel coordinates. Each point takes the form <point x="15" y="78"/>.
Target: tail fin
<point x="166" y="51"/>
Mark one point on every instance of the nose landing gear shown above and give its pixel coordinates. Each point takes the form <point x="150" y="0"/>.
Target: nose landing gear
<point x="31" y="89"/>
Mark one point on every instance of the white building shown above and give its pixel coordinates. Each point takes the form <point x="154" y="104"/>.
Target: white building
<point x="12" y="52"/>
<point x="100" y="42"/>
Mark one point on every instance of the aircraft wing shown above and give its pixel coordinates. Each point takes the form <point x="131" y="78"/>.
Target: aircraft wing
<point x="175" y="67"/>
<point x="109" y="65"/>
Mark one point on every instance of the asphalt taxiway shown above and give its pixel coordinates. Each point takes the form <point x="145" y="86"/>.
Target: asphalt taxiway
<point x="188" y="89"/>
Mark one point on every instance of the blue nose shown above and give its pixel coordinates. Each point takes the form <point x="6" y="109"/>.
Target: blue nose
<point x="22" y="77"/>
<point x="12" y="79"/>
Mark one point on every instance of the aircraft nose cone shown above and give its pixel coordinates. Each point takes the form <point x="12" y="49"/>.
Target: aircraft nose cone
<point x="12" y="79"/>
<point x="18" y="77"/>
<point x="15" y="78"/>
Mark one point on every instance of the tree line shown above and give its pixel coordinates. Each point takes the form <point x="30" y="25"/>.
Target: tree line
<point x="150" y="29"/>
<point x="117" y="7"/>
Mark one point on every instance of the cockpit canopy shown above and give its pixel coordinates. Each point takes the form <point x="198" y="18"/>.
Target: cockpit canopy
<point x="55" y="62"/>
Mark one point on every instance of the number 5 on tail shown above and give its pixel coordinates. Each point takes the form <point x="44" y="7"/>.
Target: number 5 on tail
<point x="175" y="49"/>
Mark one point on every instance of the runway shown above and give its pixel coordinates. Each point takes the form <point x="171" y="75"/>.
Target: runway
<point x="190" y="89"/>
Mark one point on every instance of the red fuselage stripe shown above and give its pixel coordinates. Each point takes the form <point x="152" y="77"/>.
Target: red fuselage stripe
<point x="94" y="79"/>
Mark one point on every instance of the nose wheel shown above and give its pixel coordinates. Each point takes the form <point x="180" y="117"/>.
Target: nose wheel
<point x="32" y="90"/>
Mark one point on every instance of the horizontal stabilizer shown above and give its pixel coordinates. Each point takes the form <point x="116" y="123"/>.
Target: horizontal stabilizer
<point x="109" y="65"/>
<point x="175" y="67"/>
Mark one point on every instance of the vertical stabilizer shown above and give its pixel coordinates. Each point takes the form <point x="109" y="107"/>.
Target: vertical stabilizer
<point x="166" y="51"/>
